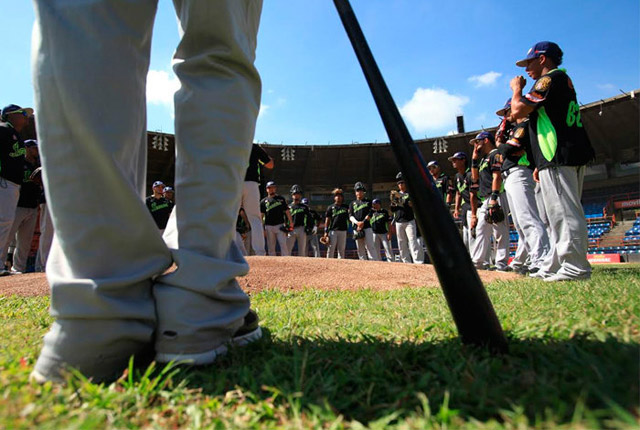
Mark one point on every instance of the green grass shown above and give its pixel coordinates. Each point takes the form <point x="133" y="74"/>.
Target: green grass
<point x="367" y="360"/>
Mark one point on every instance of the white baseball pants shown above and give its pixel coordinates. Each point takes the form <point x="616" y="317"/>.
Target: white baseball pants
<point x="380" y="239"/>
<point x="251" y="204"/>
<point x="337" y="243"/>
<point x="275" y="234"/>
<point x="9" y="195"/>
<point x="410" y="249"/>
<point x="500" y="232"/>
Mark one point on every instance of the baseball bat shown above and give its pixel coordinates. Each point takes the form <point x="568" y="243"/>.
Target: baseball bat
<point x="472" y="310"/>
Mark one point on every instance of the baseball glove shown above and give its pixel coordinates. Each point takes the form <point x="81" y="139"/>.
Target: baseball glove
<point x="324" y="240"/>
<point x="395" y="197"/>
<point x="494" y="214"/>
<point x="358" y="234"/>
<point x="286" y="229"/>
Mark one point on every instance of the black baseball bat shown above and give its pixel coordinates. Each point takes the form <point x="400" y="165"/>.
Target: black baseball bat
<point x="468" y="301"/>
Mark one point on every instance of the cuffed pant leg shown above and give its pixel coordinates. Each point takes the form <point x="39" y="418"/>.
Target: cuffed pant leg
<point x="562" y="188"/>
<point x="417" y="252"/>
<point x="403" y="242"/>
<point x="341" y="243"/>
<point x="251" y="205"/>
<point x="9" y="195"/>
<point x="92" y="133"/>
<point x="483" y="238"/>
<point x="371" y="250"/>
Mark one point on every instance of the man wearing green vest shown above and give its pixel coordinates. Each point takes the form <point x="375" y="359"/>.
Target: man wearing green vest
<point x="561" y="149"/>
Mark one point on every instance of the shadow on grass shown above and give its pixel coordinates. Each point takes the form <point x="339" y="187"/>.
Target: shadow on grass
<point x="369" y="379"/>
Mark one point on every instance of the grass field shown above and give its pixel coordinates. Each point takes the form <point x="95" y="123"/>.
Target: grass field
<point x="367" y="360"/>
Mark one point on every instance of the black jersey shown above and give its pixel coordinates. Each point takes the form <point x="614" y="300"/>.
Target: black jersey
<point x="443" y="186"/>
<point x="241" y="225"/>
<point x="558" y="137"/>
<point x="299" y="213"/>
<point x="12" y="154"/>
<point x="338" y="217"/>
<point x="380" y="221"/>
<point x="489" y="164"/>
<point x="258" y="158"/>
<point x="160" y="210"/>
<point x="274" y="210"/>
<point x="360" y="209"/>
<point x="313" y="218"/>
<point x="29" y="191"/>
<point x="404" y="212"/>
<point x="463" y="187"/>
<point x="516" y="151"/>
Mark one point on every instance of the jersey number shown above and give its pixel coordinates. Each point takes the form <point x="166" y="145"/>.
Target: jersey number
<point x="573" y="115"/>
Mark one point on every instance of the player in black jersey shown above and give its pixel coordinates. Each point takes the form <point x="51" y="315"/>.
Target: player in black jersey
<point x="381" y="227"/>
<point x="443" y="184"/>
<point x="299" y="215"/>
<point x="462" y="205"/>
<point x="360" y="215"/>
<point x="406" y="228"/>
<point x="277" y="220"/>
<point x="561" y="149"/>
<point x="336" y="224"/>
<point x="313" y="220"/>
<point x="517" y="174"/>
<point x="159" y="207"/>
<point x="250" y="201"/>
<point x="243" y="231"/>
<point x="487" y="187"/>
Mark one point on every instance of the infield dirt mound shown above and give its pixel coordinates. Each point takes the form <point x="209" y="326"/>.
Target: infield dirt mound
<point x="295" y="273"/>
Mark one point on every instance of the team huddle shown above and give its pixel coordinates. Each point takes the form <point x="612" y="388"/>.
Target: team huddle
<point x="532" y="169"/>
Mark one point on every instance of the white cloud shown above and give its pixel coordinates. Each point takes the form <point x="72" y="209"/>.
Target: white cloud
<point x="263" y="110"/>
<point x="432" y="109"/>
<point x="160" y="88"/>
<point x="487" y="80"/>
<point x="606" y="87"/>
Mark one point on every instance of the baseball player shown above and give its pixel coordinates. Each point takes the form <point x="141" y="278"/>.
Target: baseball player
<point x="517" y="174"/>
<point x="406" y="229"/>
<point x="380" y="223"/>
<point x="443" y="184"/>
<point x="336" y="225"/>
<point x="360" y="215"/>
<point x="277" y="220"/>
<point x="243" y="229"/>
<point x="169" y="194"/>
<point x="462" y="205"/>
<point x="14" y="120"/>
<point x="561" y="149"/>
<point x="299" y="215"/>
<point x="159" y="207"/>
<point x="251" y="195"/>
<point x="112" y="295"/>
<point x="311" y="228"/>
<point x="24" y="222"/>
<point x="487" y="186"/>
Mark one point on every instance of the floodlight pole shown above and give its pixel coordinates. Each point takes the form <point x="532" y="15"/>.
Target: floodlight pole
<point x="468" y="301"/>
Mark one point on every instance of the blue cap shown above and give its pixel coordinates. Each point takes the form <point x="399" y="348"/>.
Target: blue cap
<point x="376" y="201"/>
<point x="157" y="183"/>
<point x="14" y="109"/>
<point x="432" y="163"/>
<point x="458" y="156"/>
<point x="482" y="136"/>
<point x="270" y="184"/>
<point x="507" y="106"/>
<point x="546" y="48"/>
<point x="305" y="201"/>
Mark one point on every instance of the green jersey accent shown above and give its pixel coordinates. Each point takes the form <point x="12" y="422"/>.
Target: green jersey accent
<point x="547" y="137"/>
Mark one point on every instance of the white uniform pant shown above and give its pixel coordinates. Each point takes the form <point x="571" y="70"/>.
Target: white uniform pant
<point x="24" y="225"/>
<point x="381" y="239"/>
<point x="366" y="250"/>
<point x="298" y="234"/>
<point x="315" y="244"/>
<point x="251" y="204"/>
<point x="410" y="249"/>
<point x="274" y="234"/>
<point x="9" y="196"/>
<point x="337" y="243"/>
<point x="46" y="237"/>
<point x="520" y="190"/>
<point x="239" y="240"/>
<point x="109" y="293"/>
<point x="550" y="264"/>
<point x="561" y="190"/>
<point x="500" y="232"/>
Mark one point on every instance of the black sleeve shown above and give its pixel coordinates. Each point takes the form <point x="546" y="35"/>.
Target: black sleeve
<point x="262" y="155"/>
<point x="263" y="206"/>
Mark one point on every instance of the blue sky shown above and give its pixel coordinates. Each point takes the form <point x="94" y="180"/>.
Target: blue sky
<point x="439" y="59"/>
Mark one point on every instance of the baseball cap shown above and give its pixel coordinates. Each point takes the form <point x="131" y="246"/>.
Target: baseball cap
<point x="507" y="106"/>
<point x="167" y="189"/>
<point x="270" y="184"/>
<point x="157" y="183"/>
<point x="432" y="163"/>
<point x="549" y="49"/>
<point x="481" y="136"/>
<point x="376" y="201"/>
<point x="29" y="143"/>
<point x="399" y="177"/>
<point x="359" y="186"/>
<point x="14" y="109"/>
<point x="458" y="156"/>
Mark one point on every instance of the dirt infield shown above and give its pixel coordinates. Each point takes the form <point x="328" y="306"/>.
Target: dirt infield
<point x="295" y="273"/>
